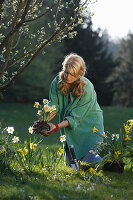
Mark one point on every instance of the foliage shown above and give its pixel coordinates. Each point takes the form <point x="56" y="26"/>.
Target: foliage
<point x="116" y="147"/>
<point x="122" y="77"/>
<point x="17" y="21"/>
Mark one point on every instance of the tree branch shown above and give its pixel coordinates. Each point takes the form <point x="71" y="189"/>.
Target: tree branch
<point x="6" y="39"/>
<point x="43" y="14"/>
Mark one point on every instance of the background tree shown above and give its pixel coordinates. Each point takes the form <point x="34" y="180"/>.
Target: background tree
<point x="122" y="77"/>
<point x="93" y="47"/>
<point x="18" y="19"/>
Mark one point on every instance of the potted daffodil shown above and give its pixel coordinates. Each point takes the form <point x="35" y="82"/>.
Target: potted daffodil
<point x="115" y="148"/>
<point x="45" y="113"/>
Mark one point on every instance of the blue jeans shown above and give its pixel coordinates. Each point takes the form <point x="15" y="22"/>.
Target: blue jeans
<point x="90" y="157"/>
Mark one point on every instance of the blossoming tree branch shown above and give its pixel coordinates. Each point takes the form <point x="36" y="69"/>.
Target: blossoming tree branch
<point x="29" y="26"/>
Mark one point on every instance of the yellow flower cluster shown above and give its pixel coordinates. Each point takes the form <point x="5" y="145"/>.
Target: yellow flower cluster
<point x="127" y="128"/>
<point x="23" y="151"/>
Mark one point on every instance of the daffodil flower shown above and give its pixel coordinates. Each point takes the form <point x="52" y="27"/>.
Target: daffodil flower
<point x="127" y="129"/>
<point x="117" y="153"/>
<point x="33" y="146"/>
<point x="45" y="101"/>
<point x="127" y="138"/>
<point x="25" y="151"/>
<point x="15" y="139"/>
<point x="91" y="170"/>
<point x="95" y="130"/>
<point x="62" y="138"/>
<point x="36" y="104"/>
<point x="47" y="108"/>
<point x="39" y="112"/>
<point x="10" y="130"/>
<point x="30" y="130"/>
<point x="60" y="151"/>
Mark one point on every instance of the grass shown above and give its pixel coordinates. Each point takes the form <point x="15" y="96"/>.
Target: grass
<point x="63" y="183"/>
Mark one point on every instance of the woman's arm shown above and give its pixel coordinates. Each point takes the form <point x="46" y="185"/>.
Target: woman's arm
<point x="63" y="124"/>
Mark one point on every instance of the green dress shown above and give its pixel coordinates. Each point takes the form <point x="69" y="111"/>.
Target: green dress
<point x="83" y="113"/>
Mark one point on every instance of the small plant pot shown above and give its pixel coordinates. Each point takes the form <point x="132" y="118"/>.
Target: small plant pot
<point x="41" y="127"/>
<point x="117" y="167"/>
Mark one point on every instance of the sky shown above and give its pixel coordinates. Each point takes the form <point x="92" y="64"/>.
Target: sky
<point x="114" y="15"/>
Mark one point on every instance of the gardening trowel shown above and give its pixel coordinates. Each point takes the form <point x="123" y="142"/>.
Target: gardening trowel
<point x="74" y="163"/>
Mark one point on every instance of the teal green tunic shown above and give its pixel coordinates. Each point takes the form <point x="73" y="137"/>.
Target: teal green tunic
<point x="83" y="113"/>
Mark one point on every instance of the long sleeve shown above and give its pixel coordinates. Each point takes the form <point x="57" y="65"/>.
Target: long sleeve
<point x="53" y="94"/>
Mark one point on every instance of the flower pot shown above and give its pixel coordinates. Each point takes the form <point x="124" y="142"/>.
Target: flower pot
<point x="117" y="167"/>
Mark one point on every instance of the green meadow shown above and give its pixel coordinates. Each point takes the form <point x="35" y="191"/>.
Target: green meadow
<point x="63" y="183"/>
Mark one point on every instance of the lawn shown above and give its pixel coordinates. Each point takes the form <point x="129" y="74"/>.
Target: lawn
<point x="62" y="183"/>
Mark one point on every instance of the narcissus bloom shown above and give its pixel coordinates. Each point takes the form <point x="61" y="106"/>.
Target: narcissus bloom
<point x="15" y="139"/>
<point x="30" y="130"/>
<point x="95" y="130"/>
<point x="25" y="151"/>
<point x="62" y="138"/>
<point x="45" y="101"/>
<point x="36" y="104"/>
<point x="60" y="151"/>
<point x="91" y="170"/>
<point x="127" y="129"/>
<point x="39" y="112"/>
<point x="127" y="138"/>
<point x="130" y="122"/>
<point x="10" y="130"/>
<point x="33" y="146"/>
<point x="47" y="108"/>
<point x="117" y="153"/>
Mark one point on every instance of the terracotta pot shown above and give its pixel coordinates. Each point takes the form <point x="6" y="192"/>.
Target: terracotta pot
<point x="117" y="167"/>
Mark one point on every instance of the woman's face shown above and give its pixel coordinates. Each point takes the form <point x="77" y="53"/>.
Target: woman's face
<point x="69" y="78"/>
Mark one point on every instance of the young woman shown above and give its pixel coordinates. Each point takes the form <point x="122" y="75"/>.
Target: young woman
<point x="79" y="112"/>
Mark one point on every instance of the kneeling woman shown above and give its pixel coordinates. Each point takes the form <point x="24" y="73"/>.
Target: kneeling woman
<point x="79" y="112"/>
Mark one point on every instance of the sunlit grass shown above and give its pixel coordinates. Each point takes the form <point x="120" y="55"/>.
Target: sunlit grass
<point x="62" y="183"/>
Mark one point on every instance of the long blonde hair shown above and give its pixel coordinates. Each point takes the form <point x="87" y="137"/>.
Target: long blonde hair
<point x="74" y="65"/>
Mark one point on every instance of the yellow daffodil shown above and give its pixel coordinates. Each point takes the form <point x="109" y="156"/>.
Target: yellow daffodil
<point x="47" y="108"/>
<point x="127" y="138"/>
<point x="91" y="170"/>
<point x="25" y="151"/>
<point x="21" y="151"/>
<point x="51" y="109"/>
<point x="32" y="146"/>
<point x="95" y="130"/>
<point x="130" y="122"/>
<point x="127" y="129"/>
<point x="117" y="153"/>
<point x="60" y="151"/>
<point x="36" y="104"/>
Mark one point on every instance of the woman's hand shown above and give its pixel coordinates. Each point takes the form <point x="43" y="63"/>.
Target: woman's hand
<point x="53" y="128"/>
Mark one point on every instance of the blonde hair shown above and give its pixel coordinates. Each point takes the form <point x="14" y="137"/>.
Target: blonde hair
<point x="74" y="65"/>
